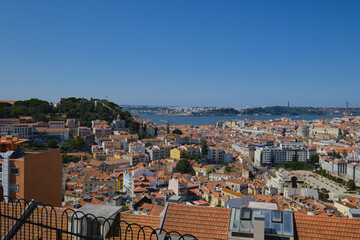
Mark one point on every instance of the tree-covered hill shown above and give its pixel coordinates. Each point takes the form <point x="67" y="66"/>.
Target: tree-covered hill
<point x="81" y="109"/>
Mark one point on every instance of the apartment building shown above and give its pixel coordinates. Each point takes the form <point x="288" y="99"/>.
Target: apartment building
<point x="120" y="142"/>
<point x="215" y="155"/>
<point x="237" y="185"/>
<point x="158" y="152"/>
<point x="326" y="130"/>
<point x="178" y="153"/>
<point x="118" y="124"/>
<point x="94" y="179"/>
<point x="179" y="186"/>
<point x="129" y="177"/>
<point x="56" y="124"/>
<point x="136" y="158"/>
<point x="136" y="147"/>
<point x="7" y="124"/>
<point x="30" y="175"/>
<point x="286" y="152"/>
<point x="246" y="150"/>
<point x="43" y="134"/>
<point x="353" y="172"/>
<point x="334" y="166"/>
<point x="151" y="130"/>
<point x="102" y="131"/>
<point x="83" y="131"/>
<point x="24" y="130"/>
<point x="72" y="125"/>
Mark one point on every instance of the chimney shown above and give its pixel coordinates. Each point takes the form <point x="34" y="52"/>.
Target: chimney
<point x="259" y="227"/>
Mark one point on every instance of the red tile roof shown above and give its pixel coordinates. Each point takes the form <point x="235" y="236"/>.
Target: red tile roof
<point x="201" y="222"/>
<point x="326" y="228"/>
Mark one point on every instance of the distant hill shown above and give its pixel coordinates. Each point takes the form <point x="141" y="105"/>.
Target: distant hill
<point x="230" y="111"/>
<point x="281" y="110"/>
<point x="81" y="109"/>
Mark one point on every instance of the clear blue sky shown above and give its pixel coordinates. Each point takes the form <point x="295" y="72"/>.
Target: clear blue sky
<point x="195" y="53"/>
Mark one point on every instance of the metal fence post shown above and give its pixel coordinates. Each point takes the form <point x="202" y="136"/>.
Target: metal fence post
<point x="58" y="234"/>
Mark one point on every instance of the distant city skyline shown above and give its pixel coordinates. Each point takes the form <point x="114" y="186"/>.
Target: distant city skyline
<point x="185" y="53"/>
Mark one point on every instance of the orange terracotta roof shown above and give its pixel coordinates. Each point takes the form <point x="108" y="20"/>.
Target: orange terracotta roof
<point x="201" y="222"/>
<point x="326" y="228"/>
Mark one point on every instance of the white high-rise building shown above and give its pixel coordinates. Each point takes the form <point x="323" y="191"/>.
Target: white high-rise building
<point x="286" y="152"/>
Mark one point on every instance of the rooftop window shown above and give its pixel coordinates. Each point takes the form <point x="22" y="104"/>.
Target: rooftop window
<point x="276" y="222"/>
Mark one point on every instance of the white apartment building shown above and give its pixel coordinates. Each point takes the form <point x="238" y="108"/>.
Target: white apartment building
<point x="83" y="131"/>
<point x="102" y="131"/>
<point x="336" y="167"/>
<point x="7" y="124"/>
<point x="353" y="172"/>
<point x="24" y="130"/>
<point x="136" y="147"/>
<point x="129" y="177"/>
<point x="158" y="152"/>
<point x="286" y="152"/>
<point x="216" y="155"/>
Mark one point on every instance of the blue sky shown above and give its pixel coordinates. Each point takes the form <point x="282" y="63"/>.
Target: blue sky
<point x="194" y="53"/>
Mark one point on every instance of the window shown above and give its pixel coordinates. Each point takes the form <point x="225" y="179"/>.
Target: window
<point x="277" y="216"/>
<point x="14" y="171"/>
<point x="14" y="187"/>
<point x="0" y="167"/>
<point x="245" y="214"/>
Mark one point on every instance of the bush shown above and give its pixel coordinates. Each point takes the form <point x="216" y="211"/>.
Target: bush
<point x="351" y="185"/>
<point x="177" y="131"/>
<point x="52" y="143"/>
<point x="184" y="166"/>
<point x="295" y="166"/>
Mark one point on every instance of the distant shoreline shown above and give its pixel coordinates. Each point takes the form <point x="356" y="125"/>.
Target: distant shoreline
<point x="212" y="120"/>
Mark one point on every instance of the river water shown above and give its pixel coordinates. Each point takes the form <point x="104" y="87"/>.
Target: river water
<point x="211" y="120"/>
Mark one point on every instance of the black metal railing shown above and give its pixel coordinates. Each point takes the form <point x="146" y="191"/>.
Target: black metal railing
<point x="21" y="219"/>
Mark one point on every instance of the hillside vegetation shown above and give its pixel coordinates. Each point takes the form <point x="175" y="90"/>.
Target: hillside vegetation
<point x="81" y="109"/>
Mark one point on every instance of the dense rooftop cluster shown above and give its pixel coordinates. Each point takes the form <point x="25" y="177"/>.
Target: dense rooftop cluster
<point x="311" y="168"/>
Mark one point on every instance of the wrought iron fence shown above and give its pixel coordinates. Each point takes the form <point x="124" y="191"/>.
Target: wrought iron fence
<point x="21" y="219"/>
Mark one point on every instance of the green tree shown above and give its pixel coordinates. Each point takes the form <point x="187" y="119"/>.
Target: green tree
<point x="52" y="143"/>
<point x="134" y="127"/>
<point x="184" y="166"/>
<point x="333" y="154"/>
<point x="338" y="155"/>
<point x="66" y="146"/>
<point x="39" y="117"/>
<point x="177" y="131"/>
<point x="315" y="158"/>
<point x="204" y="148"/>
<point x="351" y="185"/>
<point x="78" y="143"/>
<point x="345" y="153"/>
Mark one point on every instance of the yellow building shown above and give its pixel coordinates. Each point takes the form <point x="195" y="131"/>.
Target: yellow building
<point x="178" y="153"/>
